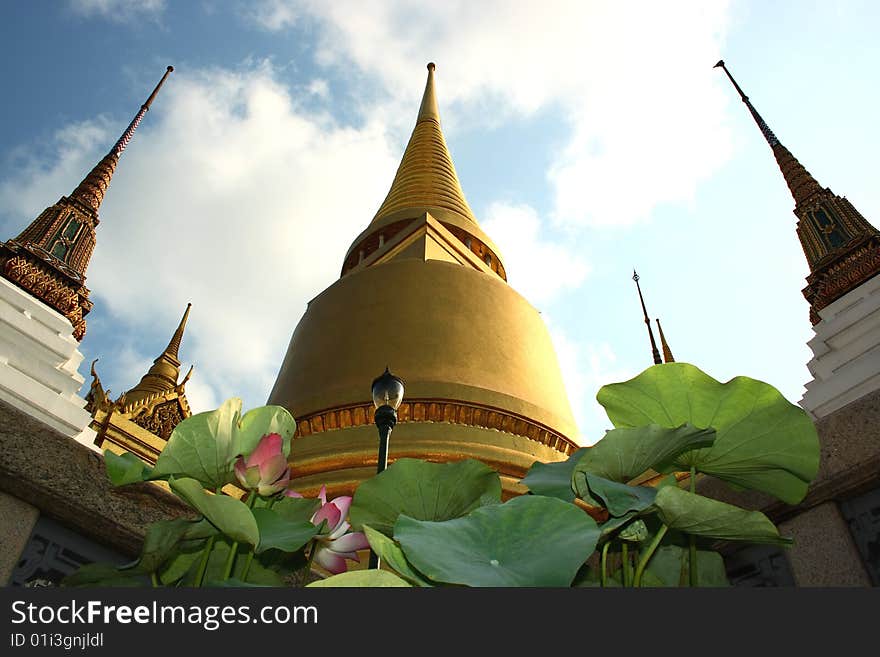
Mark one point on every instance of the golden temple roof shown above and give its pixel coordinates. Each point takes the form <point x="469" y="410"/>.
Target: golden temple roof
<point x="426" y="177"/>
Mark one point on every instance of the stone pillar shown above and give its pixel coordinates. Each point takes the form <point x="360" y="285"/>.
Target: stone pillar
<point x="17" y="519"/>
<point x="824" y="553"/>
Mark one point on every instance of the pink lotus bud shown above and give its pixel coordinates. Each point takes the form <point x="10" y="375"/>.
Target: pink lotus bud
<point x="265" y="470"/>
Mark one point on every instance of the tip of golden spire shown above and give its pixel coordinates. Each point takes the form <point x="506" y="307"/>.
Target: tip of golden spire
<point x="174" y="346"/>
<point x="426" y="177"/>
<point x="428" y="109"/>
<point x="162" y="376"/>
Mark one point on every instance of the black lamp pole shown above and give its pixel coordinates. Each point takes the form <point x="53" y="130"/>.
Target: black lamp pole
<point x="385" y="419"/>
<point x="387" y="392"/>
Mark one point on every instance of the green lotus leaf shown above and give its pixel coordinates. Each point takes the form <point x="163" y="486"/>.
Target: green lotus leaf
<point x="618" y="498"/>
<point x="102" y="574"/>
<point x="611" y="525"/>
<point x="425" y="491"/>
<point x="201" y="447"/>
<point x="763" y="442"/>
<point x="126" y="468"/>
<point x="635" y="532"/>
<point x="361" y="578"/>
<point x="276" y="532"/>
<point x="257" y="575"/>
<point x="530" y="540"/>
<point x="260" y="421"/>
<point x="701" y="516"/>
<point x="553" y="479"/>
<point x="183" y="562"/>
<point x="624" y="454"/>
<point x="669" y="566"/>
<point x="229" y="515"/>
<point x="391" y="555"/>
<point x="163" y="537"/>
<point x="296" y="509"/>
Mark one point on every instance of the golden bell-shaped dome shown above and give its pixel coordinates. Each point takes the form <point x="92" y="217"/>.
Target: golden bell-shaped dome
<point x="424" y="293"/>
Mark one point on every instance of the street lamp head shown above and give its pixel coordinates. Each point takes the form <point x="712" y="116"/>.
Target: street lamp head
<point x="387" y="390"/>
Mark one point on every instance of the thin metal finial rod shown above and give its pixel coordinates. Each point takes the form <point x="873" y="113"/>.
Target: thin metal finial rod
<point x="654" y="352"/>
<point x="158" y="86"/>
<point x="721" y="65"/>
<point x="769" y="135"/>
<point x="120" y="145"/>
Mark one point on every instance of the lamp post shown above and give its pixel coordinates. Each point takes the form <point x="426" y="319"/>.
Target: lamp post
<point x="387" y="392"/>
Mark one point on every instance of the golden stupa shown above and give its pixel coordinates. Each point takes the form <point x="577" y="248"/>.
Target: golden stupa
<point x="423" y="290"/>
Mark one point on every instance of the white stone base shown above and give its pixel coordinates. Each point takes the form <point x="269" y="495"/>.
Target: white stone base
<point x="39" y="358"/>
<point x="846" y="348"/>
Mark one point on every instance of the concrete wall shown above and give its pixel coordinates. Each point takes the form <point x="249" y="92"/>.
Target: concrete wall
<point x="43" y="472"/>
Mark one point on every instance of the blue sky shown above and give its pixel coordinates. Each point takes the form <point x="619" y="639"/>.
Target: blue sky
<point x="590" y="139"/>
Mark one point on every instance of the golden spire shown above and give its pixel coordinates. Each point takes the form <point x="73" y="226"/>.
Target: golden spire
<point x="667" y="352"/>
<point x="426" y="177"/>
<point x="174" y="344"/>
<point x="654" y="352"/>
<point x="164" y="372"/>
<point x="91" y="190"/>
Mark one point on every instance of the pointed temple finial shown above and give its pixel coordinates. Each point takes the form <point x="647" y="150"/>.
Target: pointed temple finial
<point x="667" y="352"/>
<point x="654" y="352"/>
<point x="428" y="110"/>
<point x="842" y="248"/>
<point x="765" y="129"/>
<point x="426" y="177"/>
<point x="48" y="260"/>
<point x="163" y="374"/>
<point x="425" y="191"/>
<point x="800" y="182"/>
<point x="91" y="190"/>
<point x="174" y="344"/>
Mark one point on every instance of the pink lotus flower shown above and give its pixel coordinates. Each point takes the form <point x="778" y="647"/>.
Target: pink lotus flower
<point x="265" y="470"/>
<point x="333" y="545"/>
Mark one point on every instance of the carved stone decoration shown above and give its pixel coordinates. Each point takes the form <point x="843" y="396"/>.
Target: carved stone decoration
<point x="53" y="552"/>
<point x="96" y="397"/>
<point x="832" y="281"/>
<point x="51" y="288"/>
<point x="162" y="420"/>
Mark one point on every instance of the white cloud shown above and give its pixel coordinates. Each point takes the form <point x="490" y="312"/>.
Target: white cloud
<point x="230" y="197"/>
<point x="119" y="10"/>
<point x="601" y="64"/>
<point x="586" y="367"/>
<point x="273" y="15"/>
<point x="537" y="268"/>
<point x="319" y="88"/>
